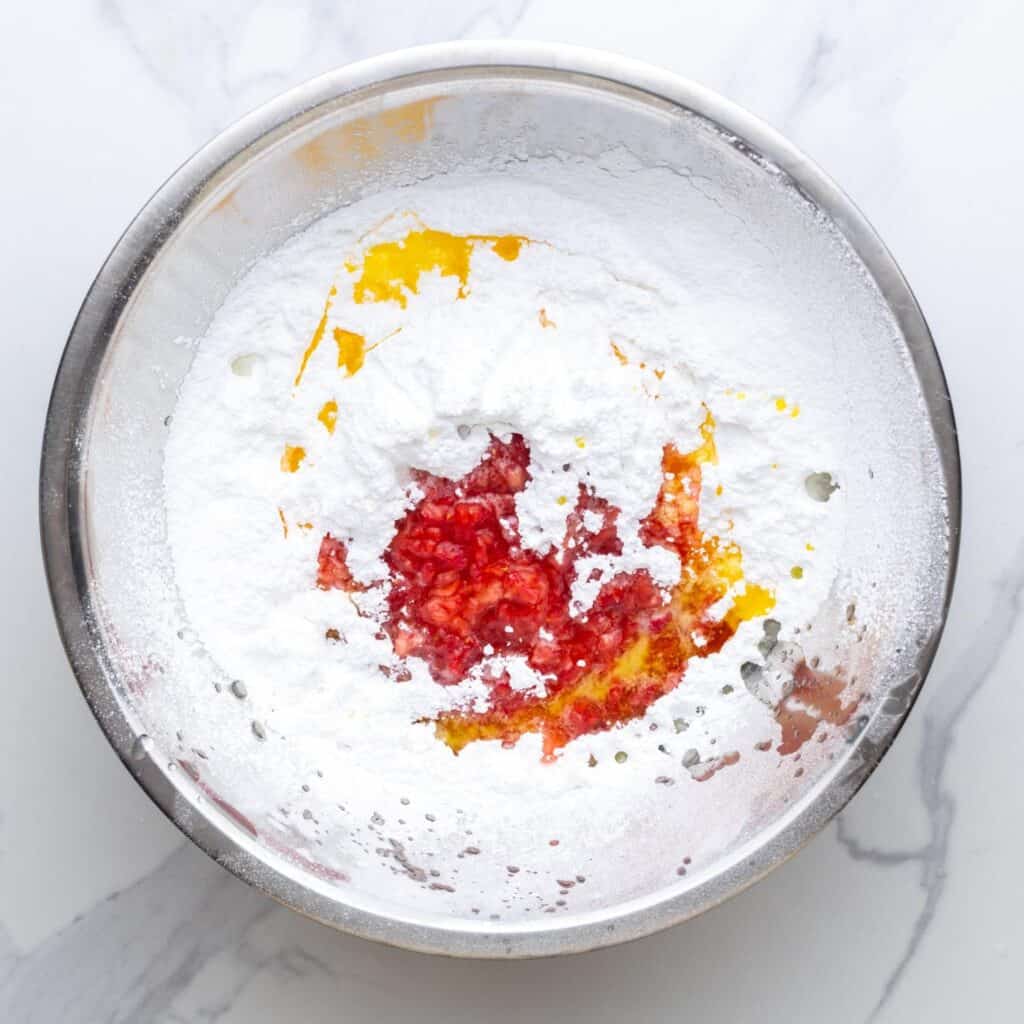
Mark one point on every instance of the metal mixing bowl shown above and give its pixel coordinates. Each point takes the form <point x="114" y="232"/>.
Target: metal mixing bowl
<point x="343" y="136"/>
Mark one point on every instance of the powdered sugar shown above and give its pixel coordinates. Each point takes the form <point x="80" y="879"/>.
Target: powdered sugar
<point x="584" y="353"/>
<point x="529" y="349"/>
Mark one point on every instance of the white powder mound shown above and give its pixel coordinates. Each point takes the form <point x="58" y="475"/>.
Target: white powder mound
<point x="588" y="346"/>
<point x="430" y="397"/>
<point x="485" y="362"/>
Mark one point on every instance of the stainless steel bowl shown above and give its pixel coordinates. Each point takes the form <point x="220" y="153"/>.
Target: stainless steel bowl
<point x="342" y="136"/>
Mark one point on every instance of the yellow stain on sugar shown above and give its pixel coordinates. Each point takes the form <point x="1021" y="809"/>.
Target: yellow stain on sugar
<point x="292" y="458"/>
<point x="706" y="452"/>
<point x="392" y="270"/>
<point x="328" y="415"/>
<point x="754" y="602"/>
<point x="318" y="336"/>
<point x="782" y="405"/>
<point x="624" y="361"/>
<point x="284" y="522"/>
<point x="351" y="350"/>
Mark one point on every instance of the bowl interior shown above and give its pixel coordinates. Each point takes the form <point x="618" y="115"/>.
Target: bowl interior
<point x="388" y="857"/>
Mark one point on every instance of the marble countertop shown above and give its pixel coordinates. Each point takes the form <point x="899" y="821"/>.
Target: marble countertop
<point x="909" y="906"/>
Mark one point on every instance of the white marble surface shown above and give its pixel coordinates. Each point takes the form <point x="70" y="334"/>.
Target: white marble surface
<point x="910" y="906"/>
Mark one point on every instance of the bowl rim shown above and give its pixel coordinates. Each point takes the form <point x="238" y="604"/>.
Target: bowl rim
<point x="61" y="501"/>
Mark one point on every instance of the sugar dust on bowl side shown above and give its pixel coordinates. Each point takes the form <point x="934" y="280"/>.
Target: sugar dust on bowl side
<point x="534" y="541"/>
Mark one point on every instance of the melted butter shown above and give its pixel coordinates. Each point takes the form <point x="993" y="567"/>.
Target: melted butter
<point x="292" y="458"/>
<point x="351" y="350"/>
<point x="391" y="270"/>
<point x="706" y="451"/>
<point x="506" y="246"/>
<point x="365" y="139"/>
<point x="328" y="415"/>
<point x="754" y="602"/>
<point x="318" y="336"/>
<point x="624" y="361"/>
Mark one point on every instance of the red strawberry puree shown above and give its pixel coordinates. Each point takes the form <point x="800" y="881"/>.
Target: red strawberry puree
<point x="463" y="586"/>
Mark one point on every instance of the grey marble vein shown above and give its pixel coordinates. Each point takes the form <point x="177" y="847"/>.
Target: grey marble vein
<point x="507" y="24"/>
<point x="812" y="76"/>
<point x="867" y="86"/>
<point x="126" y="959"/>
<point x="953" y="694"/>
<point x="870" y="854"/>
<point x="191" y="53"/>
<point x="292" y="961"/>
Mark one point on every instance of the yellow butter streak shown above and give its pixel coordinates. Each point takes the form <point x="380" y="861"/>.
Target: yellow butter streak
<point x="318" y="336"/>
<point x="754" y="602"/>
<point x="351" y="350"/>
<point x="328" y="415"/>
<point x="391" y="270"/>
<point x="292" y="458"/>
